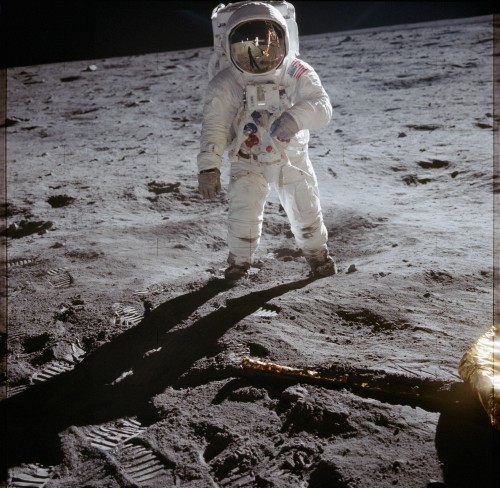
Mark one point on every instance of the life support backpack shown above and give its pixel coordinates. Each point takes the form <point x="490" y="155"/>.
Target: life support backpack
<point x="220" y="16"/>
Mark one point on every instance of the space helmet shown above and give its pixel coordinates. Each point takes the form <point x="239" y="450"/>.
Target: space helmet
<point x="257" y="38"/>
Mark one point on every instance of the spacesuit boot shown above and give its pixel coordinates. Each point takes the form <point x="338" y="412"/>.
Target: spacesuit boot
<point x="322" y="265"/>
<point x="235" y="271"/>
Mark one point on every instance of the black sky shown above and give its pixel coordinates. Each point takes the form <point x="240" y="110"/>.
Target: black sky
<point x="48" y="31"/>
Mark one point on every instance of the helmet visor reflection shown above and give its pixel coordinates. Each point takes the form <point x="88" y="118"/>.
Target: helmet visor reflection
<point x="257" y="46"/>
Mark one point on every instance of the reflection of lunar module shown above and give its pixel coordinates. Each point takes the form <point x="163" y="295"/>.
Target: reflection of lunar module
<point x="480" y="367"/>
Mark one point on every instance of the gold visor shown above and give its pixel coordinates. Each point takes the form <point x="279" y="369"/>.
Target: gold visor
<point x="257" y="46"/>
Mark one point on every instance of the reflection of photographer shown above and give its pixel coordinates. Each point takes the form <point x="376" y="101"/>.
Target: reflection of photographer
<point x="260" y="108"/>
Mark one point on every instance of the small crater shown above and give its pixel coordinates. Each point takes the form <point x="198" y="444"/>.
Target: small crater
<point x="287" y="254"/>
<point x="68" y="79"/>
<point x="35" y="343"/>
<point x="66" y="313"/>
<point x="159" y="187"/>
<point x="362" y="223"/>
<point x="439" y="276"/>
<point x="303" y="416"/>
<point x="434" y="164"/>
<point x="377" y="322"/>
<point x="424" y="127"/>
<point x="58" y="201"/>
<point x="83" y="254"/>
<point x="12" y="210"/>
<point x="26" y="228"/>
<point x="276" y="228"/>
<point x="82" y="111"/>
<point x="9" y="123"/>
<point x="257" y="350"/>
<point x="413" y="82"/>
<point x="249" y="394"/>
<point x="413" y="180"/>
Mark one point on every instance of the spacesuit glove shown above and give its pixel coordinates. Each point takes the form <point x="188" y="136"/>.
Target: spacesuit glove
<point x="284" y="127"/>
<point x="209" y="183"/>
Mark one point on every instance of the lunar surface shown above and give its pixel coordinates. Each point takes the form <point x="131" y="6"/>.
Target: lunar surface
<point x="125" y="345"/>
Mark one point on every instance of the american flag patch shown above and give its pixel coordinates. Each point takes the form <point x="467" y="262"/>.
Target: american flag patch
<point x="296" y="69"/>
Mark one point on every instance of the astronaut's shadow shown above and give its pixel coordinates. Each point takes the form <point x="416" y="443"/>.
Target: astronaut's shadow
<point x="467" y="445"/>
<point x="154" y="356"/>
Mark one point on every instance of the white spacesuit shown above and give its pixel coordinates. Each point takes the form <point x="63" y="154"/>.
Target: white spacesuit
<point x="260" y="108"/>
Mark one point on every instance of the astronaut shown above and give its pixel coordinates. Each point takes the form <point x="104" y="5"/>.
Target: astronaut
<point x="260" y="109"/>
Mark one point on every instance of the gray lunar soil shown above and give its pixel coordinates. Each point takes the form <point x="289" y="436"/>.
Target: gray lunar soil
<point x="124" y="343"/>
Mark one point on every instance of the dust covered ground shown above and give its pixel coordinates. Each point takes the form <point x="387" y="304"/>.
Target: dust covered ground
<point x="124" y="344"/>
